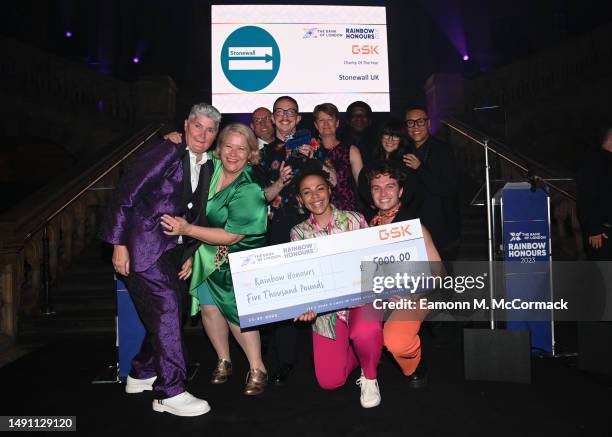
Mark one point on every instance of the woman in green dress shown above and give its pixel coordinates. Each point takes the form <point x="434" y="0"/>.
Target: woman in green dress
<point x="237" y="218"/>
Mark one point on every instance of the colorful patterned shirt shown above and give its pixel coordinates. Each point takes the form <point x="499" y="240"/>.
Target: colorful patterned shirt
<point x="284" y="210"/>
<point x="341" y="221"/>
<point x="339" y="158"/>
<point x="274" y="154"/>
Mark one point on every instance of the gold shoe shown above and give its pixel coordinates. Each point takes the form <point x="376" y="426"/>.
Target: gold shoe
<point x="222" y="372"/>
<point x="256" y="382"/>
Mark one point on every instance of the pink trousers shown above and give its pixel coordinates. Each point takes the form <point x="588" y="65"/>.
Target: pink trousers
<point x="359" y="343"/>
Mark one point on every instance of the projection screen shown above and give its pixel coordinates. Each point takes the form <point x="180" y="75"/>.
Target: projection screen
<point x="315" y="54"/>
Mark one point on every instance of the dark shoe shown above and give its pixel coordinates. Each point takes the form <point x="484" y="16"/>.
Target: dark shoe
<point x="222" y="372"/>
<point x="418" y="379"/>
<point x="256" y="382"/>
<point x="282" y="374"/>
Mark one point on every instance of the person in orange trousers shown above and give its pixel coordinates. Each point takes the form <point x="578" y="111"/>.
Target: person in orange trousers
<point x="401" y="330"/>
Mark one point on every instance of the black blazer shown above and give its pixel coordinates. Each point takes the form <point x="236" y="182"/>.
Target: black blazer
<point x="199" y="198"/>
<point x="406" y="213"/>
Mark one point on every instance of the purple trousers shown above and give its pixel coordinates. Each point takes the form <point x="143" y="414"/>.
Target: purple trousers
<point x="156" y="293"/>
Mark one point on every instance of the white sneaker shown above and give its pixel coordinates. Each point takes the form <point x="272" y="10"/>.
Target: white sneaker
<point x="184" y="404"/>
<point x="370" y="393"/>
<point x="133" y="385"/>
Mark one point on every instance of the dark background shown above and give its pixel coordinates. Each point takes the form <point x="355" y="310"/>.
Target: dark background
<point x="173" y="37"/>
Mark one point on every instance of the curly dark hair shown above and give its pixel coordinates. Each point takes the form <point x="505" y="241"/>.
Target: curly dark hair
<point x="311" y="167"/>
<point x="387" y="167"/>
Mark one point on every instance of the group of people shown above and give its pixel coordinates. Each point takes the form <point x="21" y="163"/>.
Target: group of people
<point x="181" y="208"/>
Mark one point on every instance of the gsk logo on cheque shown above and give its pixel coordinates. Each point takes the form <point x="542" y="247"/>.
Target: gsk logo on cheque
<point x="394" y="232"/>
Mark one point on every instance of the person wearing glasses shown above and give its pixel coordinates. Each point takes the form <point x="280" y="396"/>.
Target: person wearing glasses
<point x="392" y="142"/>
<point x="433" y="164"/>
<point x="261" y="123"/>
<point x="391" y="147"/>
<point x="278" y="168"/>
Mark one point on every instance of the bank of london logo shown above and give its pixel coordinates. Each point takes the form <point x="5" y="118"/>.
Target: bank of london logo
<point x="310" y="33"/>
<point x="249" y="259"/>
<point x="250" y="58"/>
<point x="515" y="236"/>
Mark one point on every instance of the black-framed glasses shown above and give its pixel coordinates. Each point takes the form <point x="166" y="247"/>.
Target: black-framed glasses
<point x="279" y="112"/>
<point x="420" y="122"/>
<point x="388" y="137"/>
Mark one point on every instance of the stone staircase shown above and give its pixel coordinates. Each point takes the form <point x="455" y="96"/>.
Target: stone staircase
<point x="474" y="234"/>
<point x="83" y="300"/>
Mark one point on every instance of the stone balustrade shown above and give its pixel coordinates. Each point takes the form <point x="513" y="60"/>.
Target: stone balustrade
<point x="73" y="105"/>
<point x="70" y="212"/>
<point x="567" y="235"/>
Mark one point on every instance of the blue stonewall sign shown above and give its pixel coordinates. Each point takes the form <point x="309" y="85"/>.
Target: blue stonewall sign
<point x="527" y="252"/>
<point x="130" y="329"/>
<point x="250" y="58"/>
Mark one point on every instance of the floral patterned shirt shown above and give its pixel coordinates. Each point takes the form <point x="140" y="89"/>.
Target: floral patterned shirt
<point x="284" y="210"/>
<point x="338" y="158"/>
<point x="274" y="154"/>
<point x="341" y="221"/>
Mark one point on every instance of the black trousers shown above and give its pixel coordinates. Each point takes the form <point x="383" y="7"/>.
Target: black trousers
<point x="281" y="338"/>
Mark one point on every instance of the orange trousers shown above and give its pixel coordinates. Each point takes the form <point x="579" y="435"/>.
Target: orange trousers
<point x="401" y="338"/>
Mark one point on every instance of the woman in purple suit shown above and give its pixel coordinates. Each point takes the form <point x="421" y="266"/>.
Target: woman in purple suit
<point x="162" y="179"/>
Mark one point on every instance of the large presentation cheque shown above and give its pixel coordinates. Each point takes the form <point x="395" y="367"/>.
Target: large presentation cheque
<point x="323" y="274"/>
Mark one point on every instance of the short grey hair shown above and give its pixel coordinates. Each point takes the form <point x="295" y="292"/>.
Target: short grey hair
<point x="205" y="110"/>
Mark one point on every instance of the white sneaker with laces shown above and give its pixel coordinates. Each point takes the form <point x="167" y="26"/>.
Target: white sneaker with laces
<point x="184" y="404"/>
<point x="370" y="393"/>
<point x="133" y="385"/>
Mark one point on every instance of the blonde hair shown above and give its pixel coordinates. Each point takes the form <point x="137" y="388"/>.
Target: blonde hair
<point x="247" y="133"/>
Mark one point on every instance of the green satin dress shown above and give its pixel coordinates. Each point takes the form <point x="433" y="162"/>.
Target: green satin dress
<point x="240" y="208"/>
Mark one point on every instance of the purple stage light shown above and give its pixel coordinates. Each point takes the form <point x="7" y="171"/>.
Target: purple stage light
<point x="68" y="34"/>
<point x="135" y="59"/>
<point x="466" y="57"/>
